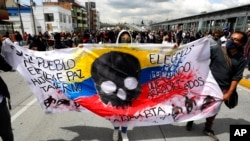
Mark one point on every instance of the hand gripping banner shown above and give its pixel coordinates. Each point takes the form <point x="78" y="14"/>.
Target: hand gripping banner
<point x="127" y="84"/>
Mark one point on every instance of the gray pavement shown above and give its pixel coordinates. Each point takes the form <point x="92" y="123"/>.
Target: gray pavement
<point x="34" y="125"/>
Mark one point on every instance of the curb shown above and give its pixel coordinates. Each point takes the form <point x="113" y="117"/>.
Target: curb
<point x="245" y="83"/>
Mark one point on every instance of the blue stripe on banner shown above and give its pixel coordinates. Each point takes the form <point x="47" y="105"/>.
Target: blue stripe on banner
<point x="85" y="88"/>
<point x="145" y="77"/>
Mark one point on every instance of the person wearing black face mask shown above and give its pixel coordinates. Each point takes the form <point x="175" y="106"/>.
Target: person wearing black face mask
<point x="227" y="77"/>
<point x="230" y="44"/>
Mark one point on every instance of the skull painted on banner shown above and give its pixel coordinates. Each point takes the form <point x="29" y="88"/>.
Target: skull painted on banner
<point x="116" y="76"/>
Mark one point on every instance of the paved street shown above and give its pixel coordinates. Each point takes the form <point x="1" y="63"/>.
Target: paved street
<point x="30" y="123"/>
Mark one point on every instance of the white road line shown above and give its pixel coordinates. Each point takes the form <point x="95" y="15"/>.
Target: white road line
<point x="15" y="116"/>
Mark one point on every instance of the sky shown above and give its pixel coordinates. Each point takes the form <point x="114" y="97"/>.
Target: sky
<point x="135" y="11"/>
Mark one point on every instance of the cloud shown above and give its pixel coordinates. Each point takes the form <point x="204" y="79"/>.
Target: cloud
<point x="134" y="11"/>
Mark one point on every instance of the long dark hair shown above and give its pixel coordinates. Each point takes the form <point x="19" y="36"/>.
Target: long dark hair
<point x="243" y="40"/>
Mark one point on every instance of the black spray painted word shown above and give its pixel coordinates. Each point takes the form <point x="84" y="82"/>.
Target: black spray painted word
<point x="165" y="59"/>
<point x="171" y="70"/>
<point x="194" y="83"/>
<point x="56" y="65"/>
<point x="71" y="75"/>
<point x="64" y="87"/>
<point x="152" y="112"/>
<point x="53" y="80"/>
<point x="50" y="100"/>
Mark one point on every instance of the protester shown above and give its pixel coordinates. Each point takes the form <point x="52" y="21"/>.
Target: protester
<point x="86" y="38"/>
<point x="159" y="37"/>
<point x="7" y="34"/>
<point x="179" y="37"/>
<point x="29" y="39"/>
<point x="58" y="43"/>
<point x="226" y="76"/>
<point x="37" y="43"/>
<point x="123" y="37"/>
<point x="151" y="38"/>
<point x="5" y="119"/>
<point x="138" y="38"/>
<point x="186" y="38"/>
<point x="67" y="41"/>
<point x="76" y="39"/>
<point x="226" y="35"/>
<point x="19" y="38"/>
<point x="216" y="38"/>
<point x="25" y="36"/>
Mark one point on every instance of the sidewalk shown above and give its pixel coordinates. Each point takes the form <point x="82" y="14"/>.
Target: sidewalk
<point x="245" y="82"/>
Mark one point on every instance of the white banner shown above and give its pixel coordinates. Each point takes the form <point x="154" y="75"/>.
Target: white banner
<point x="128" y="84"/>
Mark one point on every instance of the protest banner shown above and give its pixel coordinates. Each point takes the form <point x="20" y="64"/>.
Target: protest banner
<point x="128" y="84"/>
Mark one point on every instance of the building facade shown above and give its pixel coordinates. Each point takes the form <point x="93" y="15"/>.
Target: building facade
<point x="93" y="16"/>
<point x="59" y="16"/>
<point x="236" y="18"/>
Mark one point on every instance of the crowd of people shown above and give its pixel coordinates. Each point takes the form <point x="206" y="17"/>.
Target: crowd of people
<point x="57" y="40"/>
<point x="236" y="43"/>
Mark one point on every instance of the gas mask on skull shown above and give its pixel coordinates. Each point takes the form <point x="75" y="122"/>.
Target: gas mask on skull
<point x="116" y="76"/>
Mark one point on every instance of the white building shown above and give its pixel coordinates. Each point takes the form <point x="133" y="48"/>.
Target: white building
<point x="52" y="18"/>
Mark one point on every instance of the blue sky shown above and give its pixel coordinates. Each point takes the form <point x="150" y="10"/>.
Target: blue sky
<point x="134" y="11"/>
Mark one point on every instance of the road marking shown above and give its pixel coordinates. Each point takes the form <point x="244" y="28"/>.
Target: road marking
<point x="15" y="116"/>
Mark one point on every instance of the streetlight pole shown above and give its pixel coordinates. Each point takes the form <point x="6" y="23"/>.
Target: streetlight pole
<point x="89" y="14"/>
<point x="21" y="21"/>
<point x="32" y="13"/>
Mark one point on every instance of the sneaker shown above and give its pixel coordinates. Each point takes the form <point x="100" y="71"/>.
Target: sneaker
<point x="211" y="134"/>
<point x="189" y="125"/>
<point x="125" y="137"/>
<point x="116" y="135"/>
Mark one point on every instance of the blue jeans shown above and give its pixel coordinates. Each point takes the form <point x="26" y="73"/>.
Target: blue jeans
<point x="20" y="43"/>
<point x="124" y="129"/>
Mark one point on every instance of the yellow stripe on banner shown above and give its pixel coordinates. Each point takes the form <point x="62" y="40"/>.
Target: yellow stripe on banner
<point x="84" y="57"/>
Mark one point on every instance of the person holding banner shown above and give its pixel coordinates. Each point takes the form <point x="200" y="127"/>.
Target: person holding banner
<point x="227" y="76"/>
<point x="123" y="37"/>
<point x="5" y="119"/>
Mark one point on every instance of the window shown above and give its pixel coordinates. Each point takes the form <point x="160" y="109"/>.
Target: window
<point x="240" y="23"/>
<point x="61" y="17"/>
<point x="64" y="18"/>
<point x="69" y="19"/>
<point x="49" y="17"/>
<point x="248" y="23"/>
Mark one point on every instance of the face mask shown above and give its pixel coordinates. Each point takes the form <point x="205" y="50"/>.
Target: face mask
<point x="231" y="44"/>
